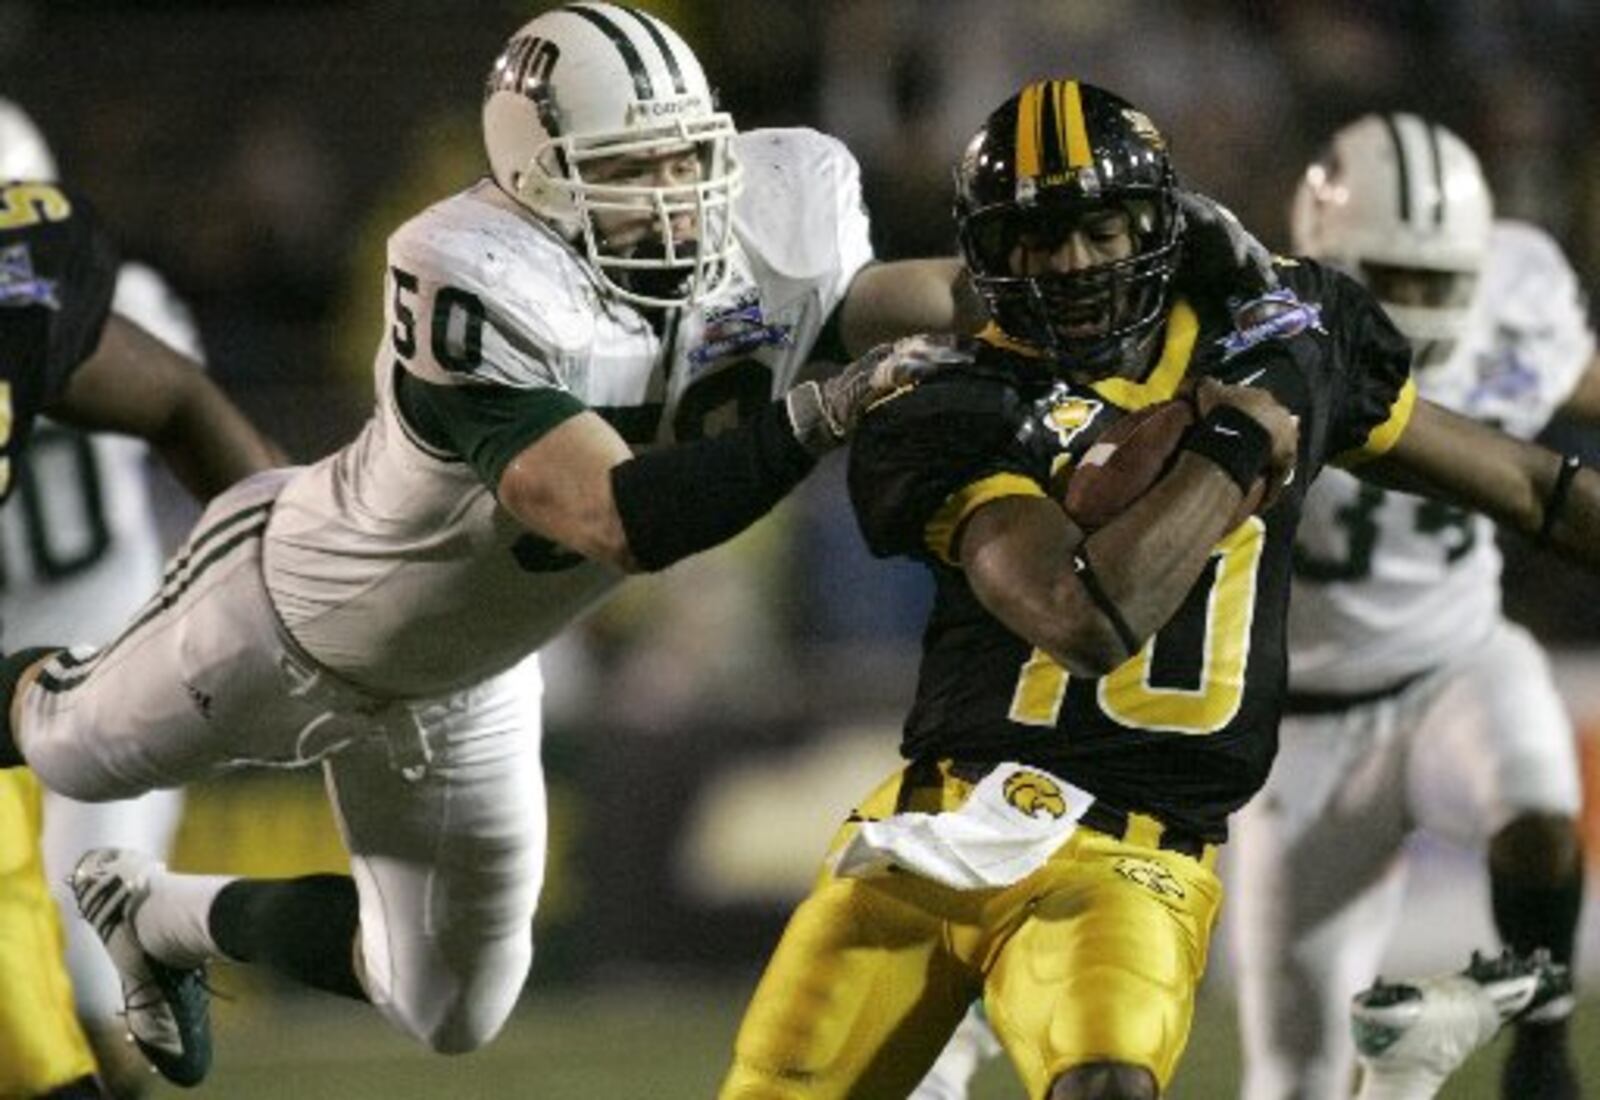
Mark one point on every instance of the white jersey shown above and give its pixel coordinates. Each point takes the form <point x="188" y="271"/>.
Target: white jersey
<point x="1389" y="585"/>
<point x="79" y="543"/>
<point x="393" y="564"/>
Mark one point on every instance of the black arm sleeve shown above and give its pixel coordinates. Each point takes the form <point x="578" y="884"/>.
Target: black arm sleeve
<point x="684" y="499"/>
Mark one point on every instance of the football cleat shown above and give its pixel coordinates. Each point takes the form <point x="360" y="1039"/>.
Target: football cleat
<point x="166" y="1007"/>
<point x="1412" y="1035"/>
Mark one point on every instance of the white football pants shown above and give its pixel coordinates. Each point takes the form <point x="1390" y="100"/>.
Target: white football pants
<point x="1317" y="882"/>
<point x="440" y="801"/>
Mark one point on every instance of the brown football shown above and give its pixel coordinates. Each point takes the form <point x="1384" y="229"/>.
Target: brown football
<point x="1128" y="458"/>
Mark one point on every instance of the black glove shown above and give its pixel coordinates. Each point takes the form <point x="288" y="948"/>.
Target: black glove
<point x="824" y="414"/>
<point x="1220" y="256"/>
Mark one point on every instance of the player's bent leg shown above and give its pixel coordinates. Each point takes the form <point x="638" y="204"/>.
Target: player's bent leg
<point x="1103" y="966"/>
<point x="1512" y="786"/>
<point x="195" y="686"/>
<point x="1314" y="859"/>
<point x="42" y="1049"/>
<point x="863" y="988"/>
<point x="448" y="859"/>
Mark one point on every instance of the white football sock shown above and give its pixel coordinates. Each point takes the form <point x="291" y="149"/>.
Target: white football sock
<point x="172" y="921"/>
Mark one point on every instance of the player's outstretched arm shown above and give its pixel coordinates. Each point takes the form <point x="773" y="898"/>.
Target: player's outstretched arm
<point x="134" y="383"/>
<point x="1092" y="601"/>
<point x="1520" y="485"/>
<point x="579" y="485"/>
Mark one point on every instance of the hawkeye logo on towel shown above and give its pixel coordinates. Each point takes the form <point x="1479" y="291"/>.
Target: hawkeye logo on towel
<point x="1035" y="795"/>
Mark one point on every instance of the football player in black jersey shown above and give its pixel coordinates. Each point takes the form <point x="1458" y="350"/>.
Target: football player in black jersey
<point x="1092" y="705"/>
<point x="63" y="352"/>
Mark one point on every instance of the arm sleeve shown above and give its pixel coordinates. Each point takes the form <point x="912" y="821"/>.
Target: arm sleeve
<point x="484" y="424"/>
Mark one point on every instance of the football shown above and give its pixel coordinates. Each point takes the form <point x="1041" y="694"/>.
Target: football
<point x="1128" y="458"/>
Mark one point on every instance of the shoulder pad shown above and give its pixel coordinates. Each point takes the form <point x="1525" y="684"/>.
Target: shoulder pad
<point x="535" y="290"/>
<point x="800" y="211"/>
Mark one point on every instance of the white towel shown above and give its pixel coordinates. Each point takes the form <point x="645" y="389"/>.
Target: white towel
<point x="1011" y="823"/>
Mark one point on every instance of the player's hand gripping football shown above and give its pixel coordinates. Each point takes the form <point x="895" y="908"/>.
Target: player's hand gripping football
<point x="824" y="414"/>
<point x="1265" y="409"/>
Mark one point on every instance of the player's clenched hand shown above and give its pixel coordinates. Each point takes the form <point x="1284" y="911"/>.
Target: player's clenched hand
<point x="824" y="414"/>
<point x="1265" y="409"/>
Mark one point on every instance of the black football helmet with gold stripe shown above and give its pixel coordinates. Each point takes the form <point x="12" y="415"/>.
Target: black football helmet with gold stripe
<point x="1054" y="153"/>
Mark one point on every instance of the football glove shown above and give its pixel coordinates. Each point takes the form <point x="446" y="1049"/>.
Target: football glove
<point x="824" y="414"/>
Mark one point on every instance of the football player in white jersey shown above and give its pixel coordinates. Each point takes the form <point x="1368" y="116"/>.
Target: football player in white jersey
<point x="1414" y="704"/>
<point x="80" y="550"/>
<point x="590" y="367"/>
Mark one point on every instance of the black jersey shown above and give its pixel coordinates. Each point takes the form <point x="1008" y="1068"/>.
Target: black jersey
<point x="57" y="273"/>
<point x="1187" y="728"/>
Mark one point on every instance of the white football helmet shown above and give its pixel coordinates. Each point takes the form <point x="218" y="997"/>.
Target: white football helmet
<point x="24" y="154"/>
<point x="1398" y="193"/>
<point x="590" y="81"/>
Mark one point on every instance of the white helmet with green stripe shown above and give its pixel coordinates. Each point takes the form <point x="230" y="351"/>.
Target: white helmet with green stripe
<point x="1401" y="203"/>
<point x="585" y="87"/>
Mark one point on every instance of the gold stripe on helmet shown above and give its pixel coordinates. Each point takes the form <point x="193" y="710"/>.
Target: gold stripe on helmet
<point x="1030" y="124"/>
<point x="1079" y="154"/>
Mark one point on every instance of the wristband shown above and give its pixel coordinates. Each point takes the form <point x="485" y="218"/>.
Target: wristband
<point x="679" y="500"/>
<point x="1234" y="440"/>
<point x="1556" y="502"/>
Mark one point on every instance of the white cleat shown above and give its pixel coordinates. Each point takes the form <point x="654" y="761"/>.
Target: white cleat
<point x="166" y="1007"/>
<point x="1411" y="1036"/>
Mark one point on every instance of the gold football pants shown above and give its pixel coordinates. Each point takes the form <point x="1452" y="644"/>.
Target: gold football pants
<point x="41" y="1046"/>
<point x="1094" y="957"/>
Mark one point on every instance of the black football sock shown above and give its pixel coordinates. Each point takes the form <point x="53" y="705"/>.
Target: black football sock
<point x="303" y="928"/>
<point x="11" y="669"/>
<point x="1530" y="916"/>
<point x="1539" y="1065"/>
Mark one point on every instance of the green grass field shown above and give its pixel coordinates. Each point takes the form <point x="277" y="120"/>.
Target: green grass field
<point x="663" y="1042"/>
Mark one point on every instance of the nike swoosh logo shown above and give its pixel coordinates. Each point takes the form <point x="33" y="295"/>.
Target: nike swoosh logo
<point x="1220" y="430"/>
<point x="1249" y="378"/>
